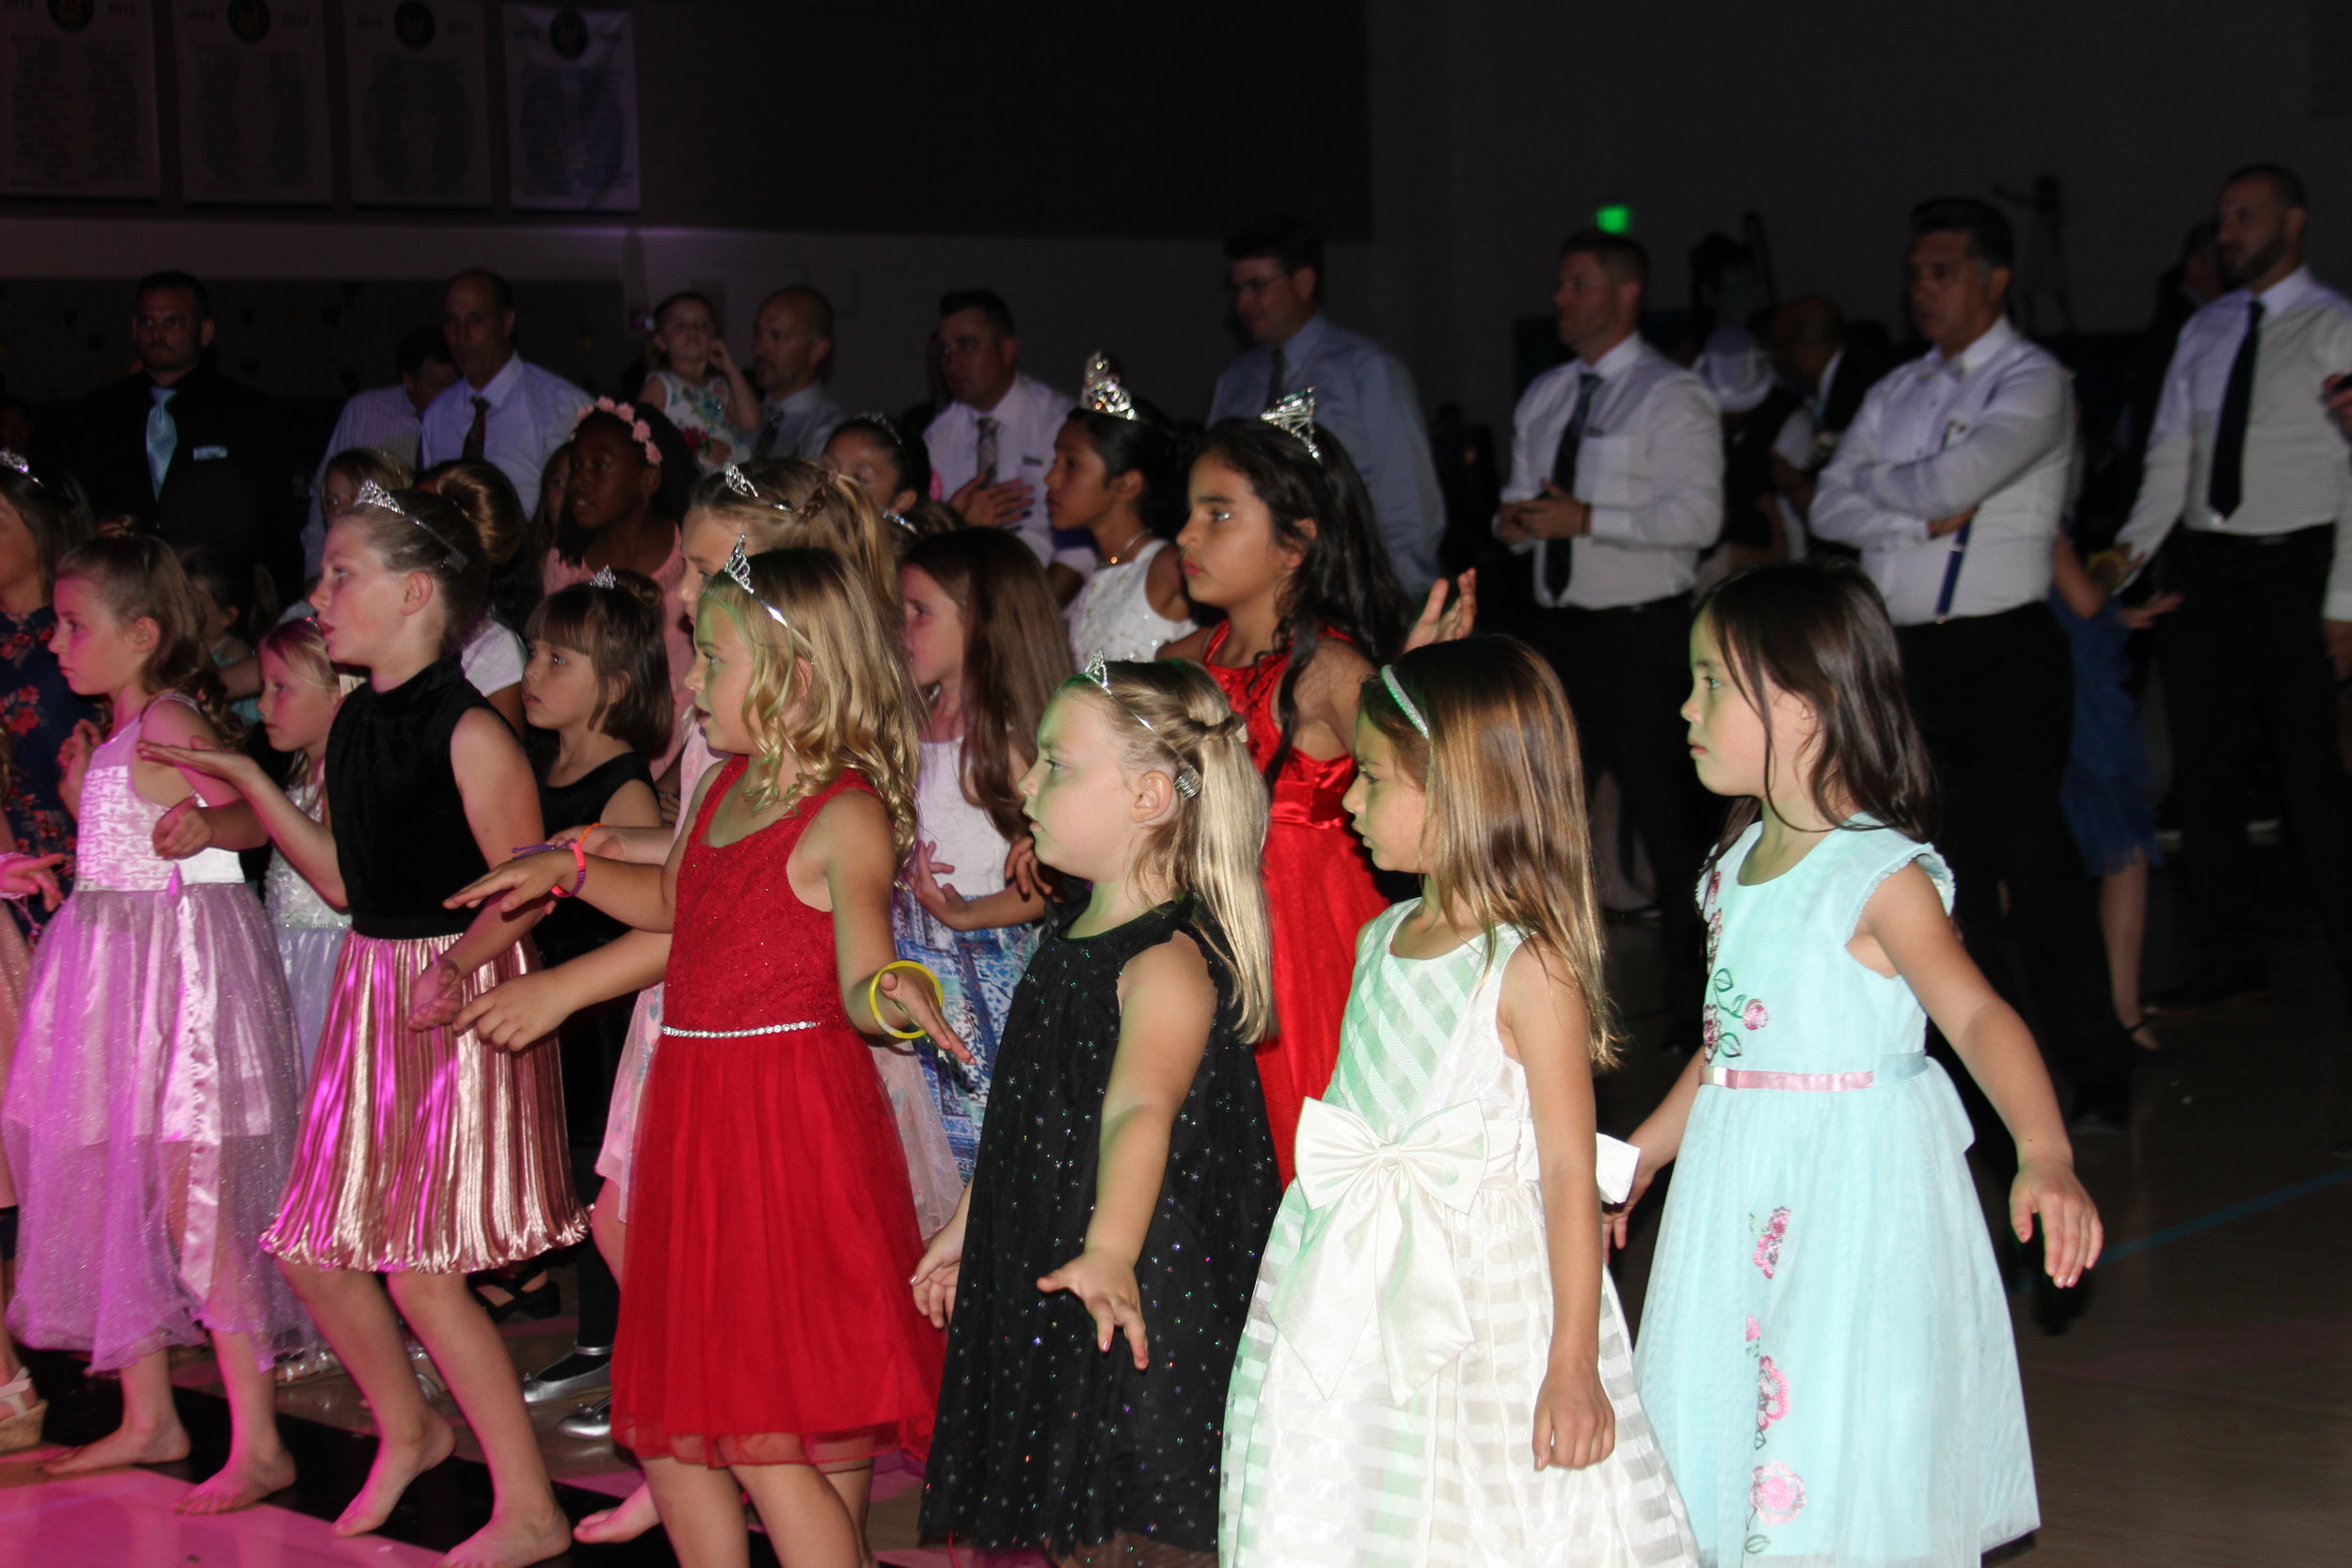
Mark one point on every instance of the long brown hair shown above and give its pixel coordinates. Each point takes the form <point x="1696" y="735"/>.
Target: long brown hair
<point x="140" y="579"/>
<point x="1505" y="785"/>
<point x="1821" y="634"/>
<point x="1016" y="652"/>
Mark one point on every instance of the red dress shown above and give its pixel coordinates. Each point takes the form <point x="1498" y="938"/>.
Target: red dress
<point x="766" y="1318"/>
<point x="1319" y="894"/>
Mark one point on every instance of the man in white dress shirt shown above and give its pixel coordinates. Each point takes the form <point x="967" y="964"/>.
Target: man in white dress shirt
<point x="2243" y="458"/>
<point x="502" y="408"/>
<point x="1363" y="394"/>
<point x="1951" y="480"/>
<point x="1615" y="487"/>
<point x="991" y="445"/>
<point x="791" y="351"/>
<point x="390" y="419"/>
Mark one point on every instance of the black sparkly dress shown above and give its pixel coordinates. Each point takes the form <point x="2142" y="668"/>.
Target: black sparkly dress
<point x="1042" y="1440"/>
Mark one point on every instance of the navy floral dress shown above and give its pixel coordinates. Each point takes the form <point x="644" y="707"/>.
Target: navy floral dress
<point x="38" y="710"/>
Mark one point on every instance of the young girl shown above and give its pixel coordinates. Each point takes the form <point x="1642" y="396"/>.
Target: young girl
<point x="895" y="472"/>
<point x="766" y="1345"/>
<point x="426" y="1154"/>
<point x="301" y="692"/>
<point x="1111" y="477"/>
<point x="42" y="515"/>
<point x="980" y="625"/>
<point x="151" y="1110"/>
<point x="1825" y="1349"/>
<point x="1279" y="540"/>
<point x="234" y="603"/>
<point x="699" y="386"/>
<point x="22" y="1408"/>
<point x="492" y="652"/>
<point x="1125" y="1179"/>
<point x="1477" y="1017"/>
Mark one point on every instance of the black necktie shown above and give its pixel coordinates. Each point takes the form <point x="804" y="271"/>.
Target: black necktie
<point x="1558" y="557"/>
<point x="478" y="431"/>
<point x="1274" y="383"/>
<point x="2226" y="486"/>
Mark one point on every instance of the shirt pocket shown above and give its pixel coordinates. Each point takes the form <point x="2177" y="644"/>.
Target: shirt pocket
<point x="1613" y="471"/>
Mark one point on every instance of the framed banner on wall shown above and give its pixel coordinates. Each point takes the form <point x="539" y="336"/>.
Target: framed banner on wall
<point x="571" y="107"/>
<point x="253" y="100"/>
<point x="416" y="79"/>
<point x="77" y="80"/>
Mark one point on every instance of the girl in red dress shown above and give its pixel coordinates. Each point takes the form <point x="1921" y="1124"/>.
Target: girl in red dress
<point x="767" y="1337"/>
<point x="1280" y="538"/>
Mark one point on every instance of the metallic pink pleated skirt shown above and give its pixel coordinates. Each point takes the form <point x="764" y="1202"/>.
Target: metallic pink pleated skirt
<point x="431" y="1151"/>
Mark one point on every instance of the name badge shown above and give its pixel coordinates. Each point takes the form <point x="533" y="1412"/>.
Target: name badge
<point x="206" y="454"/>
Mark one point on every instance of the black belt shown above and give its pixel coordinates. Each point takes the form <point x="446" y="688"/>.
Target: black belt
<point x="2205" y="536"/>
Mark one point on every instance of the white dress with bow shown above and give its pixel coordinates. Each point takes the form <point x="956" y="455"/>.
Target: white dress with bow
<point x="1382" y="1407"/>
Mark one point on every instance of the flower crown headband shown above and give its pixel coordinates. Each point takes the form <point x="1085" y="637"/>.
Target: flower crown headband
<point x="1187" y="776"/>
<point x="639" y="430"/>
<point x="373" y="494"/>
<point x="1293" y="415"/>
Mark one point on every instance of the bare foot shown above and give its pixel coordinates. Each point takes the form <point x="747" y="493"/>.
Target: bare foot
<point x="633" y="1518"/>
<point x="245" y="1480"/>
<point x="396" y="1465"/>
<point x="122" y="1447"/>
<point x="514" y="1543"/>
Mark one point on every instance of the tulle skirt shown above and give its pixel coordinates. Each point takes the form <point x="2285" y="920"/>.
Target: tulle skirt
<point x="429" y="1151"/>
<point x="150" y="1118"/>
<point x="309" y="953"/>
<point x="16" y="972"/>
<point x="766" y="1318"/>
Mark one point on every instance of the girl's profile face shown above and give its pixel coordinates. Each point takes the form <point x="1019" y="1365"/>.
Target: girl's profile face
<point x="1231" y="554"/>
<point x="560" y="687"/>
<point x="217" y="620"/>
<point x="97" y="652"/>
<point x="720" y="680"/>
<point x="336" y="496"/>
<point x="295" y="713"/>
<point x="866" y="463"/>
<point x="1077" y="794"/>
<point x="1076" y="491"/>
<point x="1727" y="732"/>
<point x="361" y="602"/>
<point x="706" y="542"/>
<point x="1387" y="810"/>
<point x="554" y="482"/>
<point x="610" y="480"/>
<point x="932" y="626"/>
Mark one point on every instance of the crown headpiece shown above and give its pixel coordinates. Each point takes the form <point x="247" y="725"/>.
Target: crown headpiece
<point x="738" y="570"/>
<point x="373" y="494"/>
<point x="17" y="460"/>
<point x="1187" y="777"/>
<point x="1103" y="393"/>
<point x="740" y="483"/>
<point x="602" y="577"/>
<point x="1293" y="415"/>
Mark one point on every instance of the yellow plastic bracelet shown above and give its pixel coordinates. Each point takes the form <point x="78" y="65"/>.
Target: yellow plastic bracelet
<point x="873" y="994"/>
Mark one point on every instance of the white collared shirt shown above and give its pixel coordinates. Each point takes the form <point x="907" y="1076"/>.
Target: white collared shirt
<point x="2294" y="471"/>
<point x="1991" y="429"/>
<point x="1650" y="467"/>
<point x="382" y="418"/>
<point x="531" y="412"/>
<point x="801" y="423"/>
<point x="1028" y="417"/>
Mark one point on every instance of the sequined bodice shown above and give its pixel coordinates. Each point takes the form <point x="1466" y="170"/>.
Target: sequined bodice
<point x="292" y="902"/>
<point x="118" y="828"/>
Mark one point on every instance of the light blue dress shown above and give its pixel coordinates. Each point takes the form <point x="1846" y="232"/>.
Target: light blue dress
<point x="1825" y="1350"/>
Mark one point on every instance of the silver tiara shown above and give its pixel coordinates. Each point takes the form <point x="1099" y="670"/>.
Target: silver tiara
<point x="1396" y="690"/>
<point x="876" y="417"/>
<point x="603" y="577"/>
<point x="1187" y="777"/>
<point x="1293" y="415"/>
<point x="373" y="494"/>
<point x="1103" y="392"/>
<point x="738" y="570"/>
<point x="16" y="460"/>
<point x="740" y="484"/>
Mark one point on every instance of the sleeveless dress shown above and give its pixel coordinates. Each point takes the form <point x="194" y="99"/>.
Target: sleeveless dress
<point x="1825" y="1348"/>
<point x="309" y="932"/>
<point x="766" y="1319"/>
<point x="1319" y="894"/>
<point x="1384" y="1400"/>
<point x="152" y="1107"/>
<point x="1113" y="615"/>
<point x="1044" y="1440"/>
<point x="432" y="1152"/>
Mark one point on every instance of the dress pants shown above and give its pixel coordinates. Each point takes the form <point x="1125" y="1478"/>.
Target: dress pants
<point x="1994" y="700"/>
<point x="1627" y="672"/>
<point x="2245" y="645"/>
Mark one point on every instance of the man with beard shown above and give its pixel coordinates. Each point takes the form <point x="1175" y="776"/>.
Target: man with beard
<point x="2244" y="457"/>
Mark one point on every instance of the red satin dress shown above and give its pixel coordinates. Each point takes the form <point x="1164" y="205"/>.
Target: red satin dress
<point x="766" y="1318"/>
<point x="1319" y="892"/>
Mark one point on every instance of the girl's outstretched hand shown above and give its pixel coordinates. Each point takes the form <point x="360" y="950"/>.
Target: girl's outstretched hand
<point x="936" y="1276"/>
<point x="1106" y="1286"/>
<point x="1022" y="872"/>
<point x="22" y="876"/>
<point x="1441" y="622"/>
<point x="524" y="881"/>
<point x="923" y="874"/>
<point x="517" y="1014"/>
<point x="433" y="998"/>
<point x="2072" y="1236"/>
<point x="915" y="998"/>
<point x="211" y="761"/>
<point x="1575" y="1424"/>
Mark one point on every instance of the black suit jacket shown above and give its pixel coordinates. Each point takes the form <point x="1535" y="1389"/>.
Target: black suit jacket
<point x="230" y="485"/>
<point x="1861" y="369"/>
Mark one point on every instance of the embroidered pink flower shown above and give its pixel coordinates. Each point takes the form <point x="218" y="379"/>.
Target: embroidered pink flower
<point x="1767" y="1239"/>
<point x="1755" y="1017"/>
<point x="1771" y="1393"/>
<point x="1756" y="1331"/>
<point x="1776" y="1493"/>
<point x="1710" y="1030"/>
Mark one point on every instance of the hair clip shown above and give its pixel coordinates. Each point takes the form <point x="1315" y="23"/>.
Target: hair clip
<point x="639" y="430"/>
<point x="876" y="417"/>
<point x="17" y="460"/>
<point x="1396" y="690"/>
<point x="1293" y="415"/>
<point x="738" y="570"/>
<point x="1103" y="392"/>
<point x="602" y="577"/>
<point x="1187" y="777"/>
<point x="740" y="484"/>
<point x="901" y="520"/>
<point x="373" y="494"/>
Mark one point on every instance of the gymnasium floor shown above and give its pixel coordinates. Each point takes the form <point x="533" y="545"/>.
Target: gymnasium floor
<point x="2192" y="1405"/>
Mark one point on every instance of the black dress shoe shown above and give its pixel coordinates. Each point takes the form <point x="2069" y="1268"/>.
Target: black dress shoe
<point x="2210" y="988"/>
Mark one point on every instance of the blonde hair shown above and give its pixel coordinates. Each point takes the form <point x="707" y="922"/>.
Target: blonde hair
<point x="797" y="502"/>
<point x="1212" y="845"/>
<point x="303" y="649"/>
<point x="1512" y="844"/>
<point x="829" y="690"/>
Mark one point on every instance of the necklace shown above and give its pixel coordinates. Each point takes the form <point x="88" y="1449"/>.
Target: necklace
<point x="1119" y="556"/>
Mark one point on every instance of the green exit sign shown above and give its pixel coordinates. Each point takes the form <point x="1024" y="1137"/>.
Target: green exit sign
<point x="1615" y="218"/>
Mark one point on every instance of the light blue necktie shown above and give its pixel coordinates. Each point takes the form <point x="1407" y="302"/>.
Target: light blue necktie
<point x="163" y="435"/>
